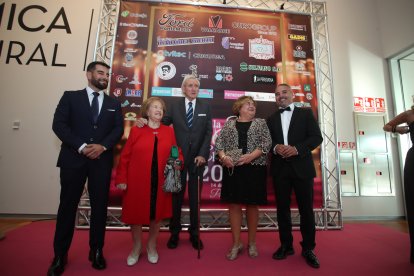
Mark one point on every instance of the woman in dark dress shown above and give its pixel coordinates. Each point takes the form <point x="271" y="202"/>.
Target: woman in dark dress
<point x="140" y="173"/>
<point x="242" y="147"/>
<point x="394" y="126"/>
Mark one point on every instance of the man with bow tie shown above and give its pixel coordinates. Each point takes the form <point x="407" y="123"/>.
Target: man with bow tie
<point x="295" y="133"/>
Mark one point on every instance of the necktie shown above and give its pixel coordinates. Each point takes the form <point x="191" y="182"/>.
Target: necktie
<point x="281" y="110"/>
<point x="95" y="107"/>
<point x="190" y="115"/>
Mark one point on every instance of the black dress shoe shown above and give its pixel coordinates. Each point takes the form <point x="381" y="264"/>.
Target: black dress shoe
<point x="311" y="258"/>
<point x="97" y="259"/>
<point x="58" y="265"/>
<point x="195" y="242"/>
<point x="283" y="252"/>
<point x="173" y="241"/>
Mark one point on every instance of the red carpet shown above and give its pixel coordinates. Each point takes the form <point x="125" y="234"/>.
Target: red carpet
<point x="359" y="249"/>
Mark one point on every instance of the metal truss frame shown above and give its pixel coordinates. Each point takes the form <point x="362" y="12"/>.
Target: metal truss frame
<point x="327" y="217"/>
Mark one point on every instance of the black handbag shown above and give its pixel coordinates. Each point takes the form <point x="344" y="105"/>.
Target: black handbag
<point x="172" y="181"/>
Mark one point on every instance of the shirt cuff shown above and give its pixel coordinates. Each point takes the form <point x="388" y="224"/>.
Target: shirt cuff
<point x="82" y="147"/>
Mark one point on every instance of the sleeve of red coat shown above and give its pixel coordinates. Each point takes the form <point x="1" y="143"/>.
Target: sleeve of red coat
<point x="122" y="169"/>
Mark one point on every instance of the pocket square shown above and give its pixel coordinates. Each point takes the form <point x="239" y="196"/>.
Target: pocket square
<point x="110" y="109"/>
<point x="202" y="115"/>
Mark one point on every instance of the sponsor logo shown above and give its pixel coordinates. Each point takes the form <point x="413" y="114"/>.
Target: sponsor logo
<point x="132" y="25"/>
<point x="260" y="28"/>
<point x="130" y="116"/>
<point x="133" y="92"/>
<point x="302" y="104"/>
<point x="176" y="92"/>
<point x="227" y="43"/>
<point x="131" y="35"/>
<point x="299" y="94"/>
<point x="176" y="54"/>
<point x="244" y="67"/>
<point x="130" y="50"/>
<point x="215" y="25"/>
<point x="138" y="15"/>
<point x="297" y="37"/>
<point x="117" y="92"/>
<point x="135" y="105"/>
<point x="224" y="73"/>
<point x="306" y="87"/>
<point x="224" y="77"/>
<point x="296" y="87"/>
<point x="299" y="66"/>
<point x="298" y="52"/>
<point x="166" y="70"/>
<point x="193" y="69"/>
<point x="257" y="96"/>
<point x="261" y="48"/>
<point x="176" y="23"/>
<point x="208" y="56"/>
<point x="297" y="27"/>
<point x="264" y="79"/>
<point x="165" y="41"/>
<point x="309" y="96"/>
<point x="120" y="78"/>
<point x="124" y="13"/>
<point x="125" y="104"/>
<point x="224" y="69"/>
<point x="135" y="79"/>
<point x="129" y="60"/>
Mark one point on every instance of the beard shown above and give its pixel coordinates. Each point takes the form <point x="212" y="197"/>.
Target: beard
<point x="100" y="84"/>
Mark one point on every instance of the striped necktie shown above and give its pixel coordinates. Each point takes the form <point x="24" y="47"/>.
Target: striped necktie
<point x="190" y="114"/>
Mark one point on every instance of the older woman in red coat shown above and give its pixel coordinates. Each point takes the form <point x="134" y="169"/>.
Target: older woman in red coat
<point x="140" y="174"/>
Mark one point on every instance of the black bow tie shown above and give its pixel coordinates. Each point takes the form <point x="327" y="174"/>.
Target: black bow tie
<point x="281" y="110"/>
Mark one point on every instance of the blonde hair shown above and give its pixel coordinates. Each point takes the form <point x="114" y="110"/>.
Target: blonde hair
<point x="240" y="102"/>
<point x="147" y="103"/>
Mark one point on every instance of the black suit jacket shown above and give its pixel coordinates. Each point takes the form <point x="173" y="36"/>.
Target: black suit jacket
<point x="194" y="141"/>
<point x="74" y="126"/>
<point x="304" y="134"/>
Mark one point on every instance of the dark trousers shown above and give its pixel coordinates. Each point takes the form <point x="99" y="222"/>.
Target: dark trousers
<point x="409" y="196"/>
<point x="283" y="184"/>
<point x="178" y="198"/>
<point x="72" y="181"/>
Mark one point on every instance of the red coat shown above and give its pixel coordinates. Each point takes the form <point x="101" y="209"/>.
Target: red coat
<point x="134" y="169"/>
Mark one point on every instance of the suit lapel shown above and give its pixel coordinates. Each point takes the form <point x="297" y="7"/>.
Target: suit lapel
<point x="85" y="103"/>
<point x="279" y="129"/>
<point x="182" y="112"/>
<point x="293" y="120"/>
<point x="196" y="111"/>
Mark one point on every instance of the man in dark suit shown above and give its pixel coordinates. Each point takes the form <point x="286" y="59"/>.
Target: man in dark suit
<point x="295" y="133"/>
<point x="194" y="139"/>
<point x="89" y="123"/>
<point x="191" y="119"/>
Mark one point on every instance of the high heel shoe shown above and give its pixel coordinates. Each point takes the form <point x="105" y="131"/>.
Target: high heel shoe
<point x="152" y="257"/>
<point x="252" y="249"/>
<point x="133" y="257"/>
<point x="234" y="252"/>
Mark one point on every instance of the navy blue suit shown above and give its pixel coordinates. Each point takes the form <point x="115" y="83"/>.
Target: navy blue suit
<point x="74" y="126"/>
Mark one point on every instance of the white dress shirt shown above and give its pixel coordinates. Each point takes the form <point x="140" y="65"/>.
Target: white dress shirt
<point x="285" y="120"/>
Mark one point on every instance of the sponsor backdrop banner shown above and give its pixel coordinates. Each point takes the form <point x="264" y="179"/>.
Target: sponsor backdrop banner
<point x="233" y="52"/>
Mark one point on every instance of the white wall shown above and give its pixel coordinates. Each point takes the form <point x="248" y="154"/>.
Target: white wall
<point x="362" y="35"/>
<point x="29" y="179"/>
